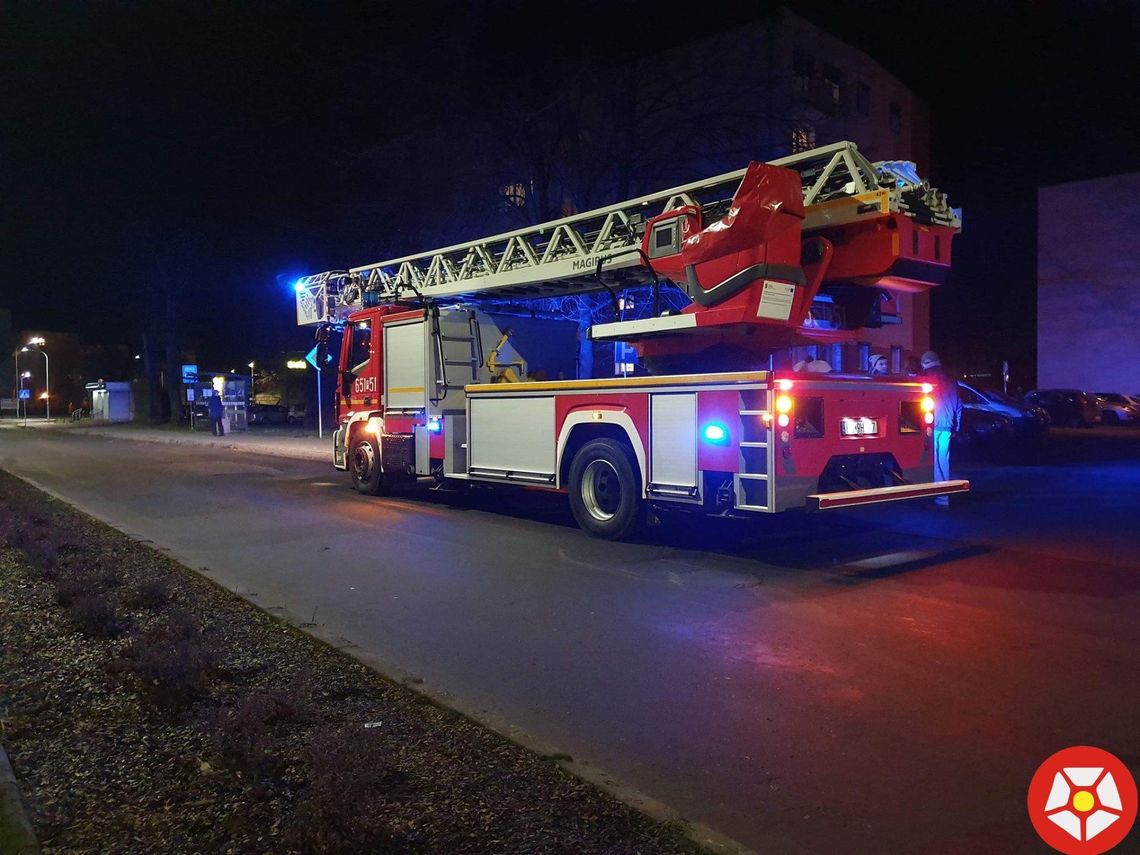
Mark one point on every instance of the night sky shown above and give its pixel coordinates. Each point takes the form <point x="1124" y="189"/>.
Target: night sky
<point x="213" y="144"/>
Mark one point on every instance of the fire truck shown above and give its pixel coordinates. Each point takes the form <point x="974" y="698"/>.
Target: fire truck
<point x="797" y="251"/>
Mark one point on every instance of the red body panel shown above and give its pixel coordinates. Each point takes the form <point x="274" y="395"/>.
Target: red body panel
<point x="723" y="408"/>
<point x="808" y="455"/>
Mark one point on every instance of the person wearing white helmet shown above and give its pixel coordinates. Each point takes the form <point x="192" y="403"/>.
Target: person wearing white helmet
<point x="877" y="365"/>
<point x="947" y="417"/>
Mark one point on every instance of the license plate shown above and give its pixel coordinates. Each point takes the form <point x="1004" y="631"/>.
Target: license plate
<point x="858" y="427"/>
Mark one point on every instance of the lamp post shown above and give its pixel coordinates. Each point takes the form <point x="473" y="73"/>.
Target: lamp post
<point x="16" y="380"/>
<point x="38" y="343"/>
<point x="26" y="375"/>
<point x="251" y="382"/>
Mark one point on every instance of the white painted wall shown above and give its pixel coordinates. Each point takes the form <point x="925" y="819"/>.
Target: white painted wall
<point x="1088" y="285"/>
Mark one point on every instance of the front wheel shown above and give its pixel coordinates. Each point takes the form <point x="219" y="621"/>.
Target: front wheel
<point x="364" y="464"/>
<point x="604" y="491"/>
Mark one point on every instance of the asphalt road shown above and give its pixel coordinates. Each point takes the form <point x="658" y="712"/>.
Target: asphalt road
<point x="881" y="680"/>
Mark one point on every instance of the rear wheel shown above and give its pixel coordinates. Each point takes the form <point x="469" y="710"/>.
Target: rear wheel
<point x="604" y="491"/>
<point x="364" y="464"/>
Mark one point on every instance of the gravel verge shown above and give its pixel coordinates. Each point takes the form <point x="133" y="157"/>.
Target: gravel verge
<point x="146" y="709"/>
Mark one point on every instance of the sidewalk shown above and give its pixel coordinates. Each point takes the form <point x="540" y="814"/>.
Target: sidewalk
<point x="278" y="442"/>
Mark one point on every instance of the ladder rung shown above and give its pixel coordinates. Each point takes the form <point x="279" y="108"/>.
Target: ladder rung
<point x="750" y="476"/>
<point x="751" y="507"/>
<point x="753" y="445"/>
<point x="466" y="338"/>
<point x="752" y="412"/>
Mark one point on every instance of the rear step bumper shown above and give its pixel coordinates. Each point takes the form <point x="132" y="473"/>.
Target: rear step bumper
<point x="854" y="498"/>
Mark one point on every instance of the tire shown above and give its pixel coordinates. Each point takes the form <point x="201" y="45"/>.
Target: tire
<point x="364" y="465"/>
<point x="605" y="496"/>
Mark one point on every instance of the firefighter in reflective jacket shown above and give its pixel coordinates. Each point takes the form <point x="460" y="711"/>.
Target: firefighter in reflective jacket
<point x="947" y="417"/>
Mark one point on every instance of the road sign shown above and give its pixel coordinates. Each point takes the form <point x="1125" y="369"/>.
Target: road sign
<point x="189" y="374"/>
<point x="25" y="394"/>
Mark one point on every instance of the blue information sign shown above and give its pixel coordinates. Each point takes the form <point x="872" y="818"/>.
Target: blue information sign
<point x="25" y="394"/>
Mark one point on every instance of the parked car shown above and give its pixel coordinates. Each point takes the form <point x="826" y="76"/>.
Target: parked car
<point x="990" y="416"/>
<point x="296" y="414"/>
<point x="1066" y="407"/>
<point x="267" y="414"/>
<point x="1116" y="408"/>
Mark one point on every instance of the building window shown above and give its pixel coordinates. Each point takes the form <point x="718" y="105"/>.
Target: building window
<point x="515" y="194"/>
<point x="896" y="118"/>
<point x="863" y="98"/>
<point x="803" y="70"/>
<point x="803" y="139"/>
<point x="834" y="80"/>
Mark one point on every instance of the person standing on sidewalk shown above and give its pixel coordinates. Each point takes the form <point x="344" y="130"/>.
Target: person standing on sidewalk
<point x="947" y="417"/>
<point x="217" y="411"/>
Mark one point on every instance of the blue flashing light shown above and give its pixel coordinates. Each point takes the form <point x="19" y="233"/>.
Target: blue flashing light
<point x="299" y="285"/>
<point x="715" y="433"/>
<point x="435" y="425"/>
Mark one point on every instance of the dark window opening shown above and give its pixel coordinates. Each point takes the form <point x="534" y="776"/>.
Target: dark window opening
<point x="833" y="77"/>
<point x="910" y="417"/>
<point x="896" y="118"/>
<point x="803" y="70"/>
<point x="809" y="418"/>
<point x="863" y="98"/>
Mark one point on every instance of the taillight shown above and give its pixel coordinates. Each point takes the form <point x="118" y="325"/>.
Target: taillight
<point x="783" y="407"/>
<point x="928" y="410"/>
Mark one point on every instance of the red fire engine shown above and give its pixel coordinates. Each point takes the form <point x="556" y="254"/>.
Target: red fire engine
<point x="432" y="387"/>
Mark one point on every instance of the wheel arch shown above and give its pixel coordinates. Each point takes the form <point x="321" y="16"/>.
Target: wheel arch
<point x="580" y="427"/>
<point x="356" y="424"/>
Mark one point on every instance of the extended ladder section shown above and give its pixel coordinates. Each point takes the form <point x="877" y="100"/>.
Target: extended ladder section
<point x="607" y="247"/>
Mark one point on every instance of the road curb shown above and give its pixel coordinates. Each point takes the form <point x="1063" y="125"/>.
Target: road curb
<point x="270" y="446"/>
<point x="16" y="834"/>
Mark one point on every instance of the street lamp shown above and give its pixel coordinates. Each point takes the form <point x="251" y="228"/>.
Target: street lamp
<point x="38" y="343"/>
<point x="251" y="382"/>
